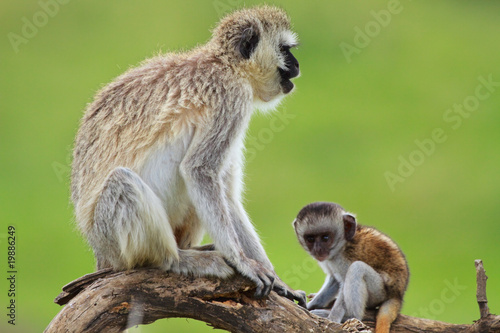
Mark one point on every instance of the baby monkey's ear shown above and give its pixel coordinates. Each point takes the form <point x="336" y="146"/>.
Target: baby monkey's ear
<point x="349" y="226"/>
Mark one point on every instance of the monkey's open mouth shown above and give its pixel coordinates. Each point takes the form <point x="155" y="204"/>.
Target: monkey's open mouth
<point x="285" y="76"/>
<point x="287" y="85"/>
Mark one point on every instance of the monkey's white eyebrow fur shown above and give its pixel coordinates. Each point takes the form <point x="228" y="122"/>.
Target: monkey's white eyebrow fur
<point x="290" y="39"/>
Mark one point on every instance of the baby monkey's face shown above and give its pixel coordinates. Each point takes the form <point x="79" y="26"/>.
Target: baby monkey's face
<point x="319" y="244"/>
<point x="323" y="228"/>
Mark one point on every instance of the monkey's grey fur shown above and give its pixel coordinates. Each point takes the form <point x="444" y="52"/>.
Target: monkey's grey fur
<point x="364" y="267"/>
<point x="158" y="156"/>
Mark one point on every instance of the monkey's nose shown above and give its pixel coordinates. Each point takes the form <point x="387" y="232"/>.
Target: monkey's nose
<point x="294" y="68"/>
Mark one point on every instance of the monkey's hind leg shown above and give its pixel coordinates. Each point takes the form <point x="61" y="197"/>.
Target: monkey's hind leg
<point x="387" y="313"/>
<point x="131" y="227"/>
<point x="363" y="287"/>
<point x="338" y="310"/>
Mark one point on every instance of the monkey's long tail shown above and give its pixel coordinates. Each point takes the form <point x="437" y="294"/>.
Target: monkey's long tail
<point x="387" y="313"/>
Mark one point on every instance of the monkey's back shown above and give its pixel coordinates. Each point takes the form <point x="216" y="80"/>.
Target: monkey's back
<point x="139" y="112"/>
<point x="382" y="254"/>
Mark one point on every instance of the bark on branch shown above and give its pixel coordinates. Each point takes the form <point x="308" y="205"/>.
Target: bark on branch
<point x="111" y="302"/>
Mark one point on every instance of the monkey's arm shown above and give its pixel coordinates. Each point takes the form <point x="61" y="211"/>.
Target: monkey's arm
<point x="254" y="250"/>
<point x="202" y="169"/>
<point x="252" y="245"/>
<point x="326" y="295"/>
<point x="245" y="230"/>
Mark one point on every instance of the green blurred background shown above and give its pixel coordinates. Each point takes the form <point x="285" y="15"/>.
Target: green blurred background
<point x="350" y="121"/>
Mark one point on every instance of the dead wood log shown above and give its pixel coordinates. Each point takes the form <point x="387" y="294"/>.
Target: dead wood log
<point x="108" y="301"/>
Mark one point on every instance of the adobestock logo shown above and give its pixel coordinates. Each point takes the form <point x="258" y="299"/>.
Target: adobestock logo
<point x="437" y="306"/>
<point x="30" y="28"/>
<point x="277" y="123"/>
<point x="363" y="37"/>
<point x="298" y="273"/>
<point x="453" y="117"/>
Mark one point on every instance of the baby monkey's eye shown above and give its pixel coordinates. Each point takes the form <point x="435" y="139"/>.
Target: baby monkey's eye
<point x="325" y="238"/>
<point x="309" y="239"/>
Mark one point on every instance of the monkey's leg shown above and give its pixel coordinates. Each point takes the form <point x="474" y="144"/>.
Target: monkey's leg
<point x="363" y="287"/>
<point x="387" y="313"/>
<point x="132" y="229"/>
<point x="339" y="307"/>
<point x="326" y="295"/>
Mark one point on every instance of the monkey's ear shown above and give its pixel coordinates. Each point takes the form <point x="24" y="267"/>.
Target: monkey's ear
<point x="248" y="42"/>
<point x="349" y="226"/>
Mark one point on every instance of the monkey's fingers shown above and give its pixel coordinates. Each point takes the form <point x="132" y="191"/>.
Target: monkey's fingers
<point x="299" y="296"/>
<point x="294" y="295"/>
<point x="257" y="273"/>
<point x="266" y="284"/>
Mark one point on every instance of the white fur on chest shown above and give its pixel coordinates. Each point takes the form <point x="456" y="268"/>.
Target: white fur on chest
<point x="337" y="267"/>
<point x="161" y="173"/>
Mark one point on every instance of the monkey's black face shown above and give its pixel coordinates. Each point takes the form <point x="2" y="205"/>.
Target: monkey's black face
<point x="319" y="244"/>
<point x="291" y="70"/>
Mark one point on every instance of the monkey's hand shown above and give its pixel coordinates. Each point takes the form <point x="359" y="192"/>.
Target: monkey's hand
<point x="282" y="289"/>
<point x="311" y="296"/>
<point x="255" y="271"/>
<point x="267" y="280"/>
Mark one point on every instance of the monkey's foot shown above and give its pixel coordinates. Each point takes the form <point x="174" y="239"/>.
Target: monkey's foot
<point x="321" y="313"/>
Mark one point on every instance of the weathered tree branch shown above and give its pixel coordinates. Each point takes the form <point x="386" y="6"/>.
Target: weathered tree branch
<point x="481" y="289"/>
<point x="119" y="300"/>
<point x="111" y="302"/>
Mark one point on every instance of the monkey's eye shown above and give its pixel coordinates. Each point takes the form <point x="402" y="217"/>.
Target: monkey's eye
<point x="309" y="239"/>
<point x="287" y="47"/>
<point x="325" y="238"/>
<point x="284" y="48"/>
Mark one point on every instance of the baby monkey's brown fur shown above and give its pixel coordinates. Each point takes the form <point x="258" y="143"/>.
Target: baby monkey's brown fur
<point x="363" y="266"/>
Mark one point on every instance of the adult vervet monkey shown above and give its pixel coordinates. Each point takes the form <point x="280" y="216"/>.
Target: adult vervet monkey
<point x="158" y="156"/>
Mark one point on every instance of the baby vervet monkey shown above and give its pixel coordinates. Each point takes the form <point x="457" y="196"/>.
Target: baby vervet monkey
<point x="158" y="156"/>
<point x="364" y="268"/>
